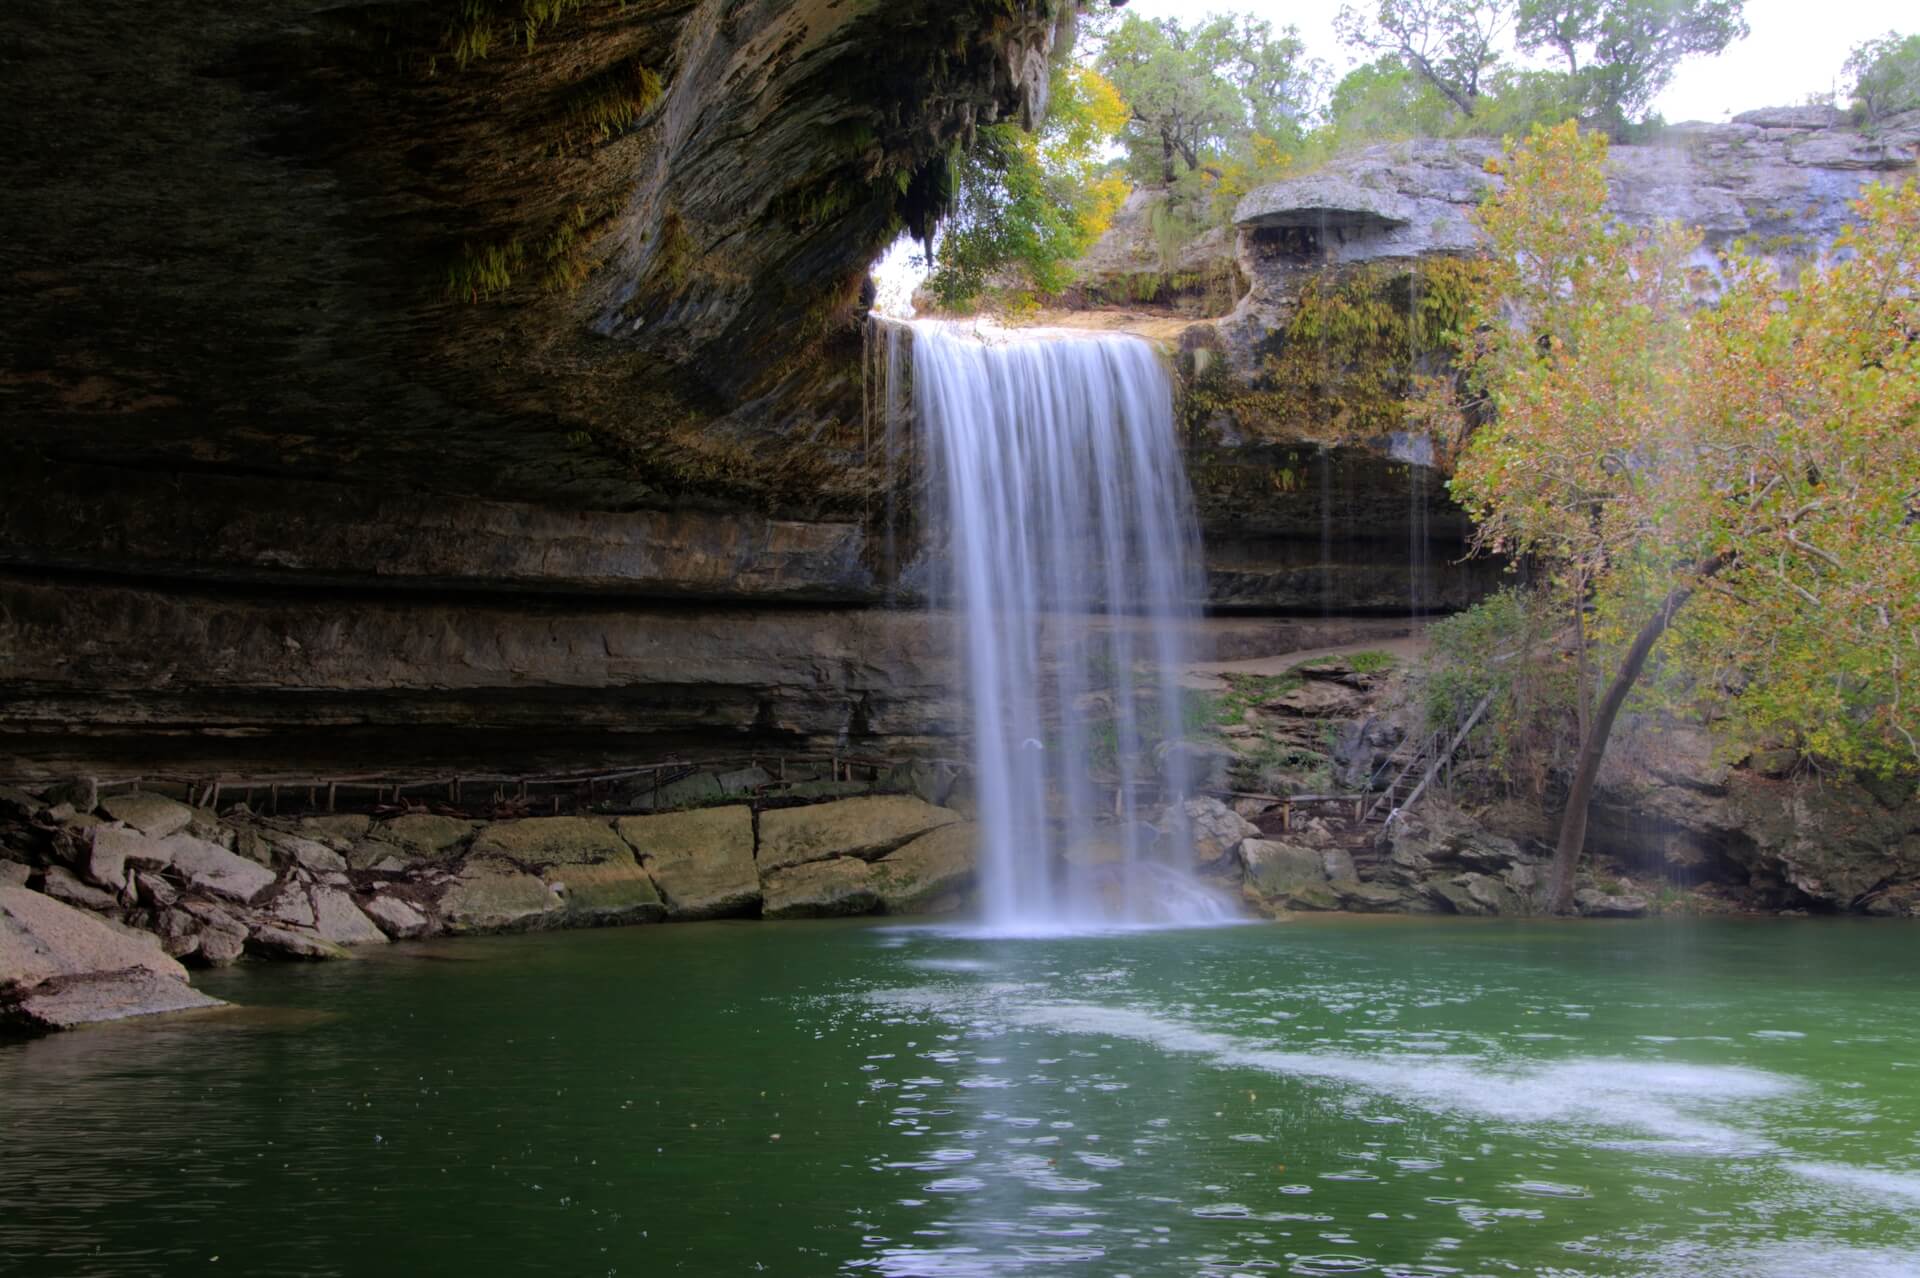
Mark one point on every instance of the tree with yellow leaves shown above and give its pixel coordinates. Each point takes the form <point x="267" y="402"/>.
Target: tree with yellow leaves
<point x="1742" y="470"/>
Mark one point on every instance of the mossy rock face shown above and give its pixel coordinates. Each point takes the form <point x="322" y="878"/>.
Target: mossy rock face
<point x="821" y="889"/>
<point x="609" y="893"/>
<point x="1277" y="871"/>
<point x="929" y="874"/>
<point x="702" y="861"/>
<point x="865" y="827"/>
<point x="551" y="841"/>
<point x="491" y="900"/>
<point x="425" y="834"/>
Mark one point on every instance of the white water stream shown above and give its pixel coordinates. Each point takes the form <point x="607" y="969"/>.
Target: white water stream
<point x="1061" y="528"/>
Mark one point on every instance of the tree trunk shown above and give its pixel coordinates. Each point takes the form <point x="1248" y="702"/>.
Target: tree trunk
<point x="1166" y="156"/>
<point x="1573" y="823"/>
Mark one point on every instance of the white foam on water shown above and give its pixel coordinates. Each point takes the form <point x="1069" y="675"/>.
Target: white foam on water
<point x="1673" y="1107"/>
<point x="1900" y="1187"/>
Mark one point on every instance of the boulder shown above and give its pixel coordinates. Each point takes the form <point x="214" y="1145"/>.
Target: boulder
<point x="1216" y="830"/>
<point x="930" y="874"/>
<point x="864" y="827"/>
<point x="489" y="899"/>
<point x="14" y="873"/>
<point x="307" y="854"/>
<point x="82" y="792"/>
<point x="820" y="889"/>
<point x="1373" y="898"/>
<point x="41" y="938"/>
<point x="341" y="825"/>
<point x="1338" y="863"/>
<point x="67" y="1001"/>
<point x="214" y="870"/>
<point x="290" y="942"/>
<point x="396" y="917"/>
<point x="1594" y="903"/>
<point x="1194" y="765"/>
<point x="222" y="936"/>
<point x="339" y="920"/>
<point x="550" y="841"/>
<point x="612" y="891"/>
<point x="111" y="849"/>
<point x="1276" y="871"/>
<point x="425" y="834"/>
<point x="702" y="860"/>
<point x="154" y="815"/>
<point x="60" y="884"/>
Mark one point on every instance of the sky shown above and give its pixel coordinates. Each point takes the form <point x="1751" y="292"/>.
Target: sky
<point x="1795" y="50"/>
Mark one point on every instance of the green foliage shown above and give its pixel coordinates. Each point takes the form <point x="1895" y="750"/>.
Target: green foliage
<point x="1758" y="457"/>
<point x="480" y="272"/>
<point x="479" y="28"/>
<point x="1504" y="647"/>
<point x="1440" y="56"/>
<point x="1356" y="356"/>
<point x="1205" y="711"/>
<point x="1371" y="661"/>
<point x="605" y="105"/>
<point x="1024" y="206"/>
<point x="1886" y="76"/>
<point x="1201" y="93"/>
<point x="1621" y="53"/>
<point x="1452" y="45"/>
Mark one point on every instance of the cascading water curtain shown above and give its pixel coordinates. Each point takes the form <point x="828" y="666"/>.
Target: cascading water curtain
<point x="1062" y="530"/>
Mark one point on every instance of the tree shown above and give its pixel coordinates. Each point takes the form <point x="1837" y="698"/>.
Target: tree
<point x="1622" y="53"/>
<point x="1026" y="204"/>
<point x="1198" y="92"/>
<point x="1886" y="76"/>
<point x="1762" y="452"/>
<point x="1452" y="44"/>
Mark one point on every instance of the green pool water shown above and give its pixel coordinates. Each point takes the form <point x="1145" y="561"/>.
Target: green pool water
<point x="1391" y="1097"/>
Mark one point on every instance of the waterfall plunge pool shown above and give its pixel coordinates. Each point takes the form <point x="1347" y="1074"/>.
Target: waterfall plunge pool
<point x="1375" y="1096"/>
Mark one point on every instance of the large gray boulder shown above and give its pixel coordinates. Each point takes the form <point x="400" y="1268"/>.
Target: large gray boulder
<point x="863" y="827"/>
<point x="1277" y="872"/>
<point x="151" y="814"/>
<point x="702" y="860"/>
<point x="60" y="966"/>
<point x="1217" y="831"/>
<point x="212" y="869"/>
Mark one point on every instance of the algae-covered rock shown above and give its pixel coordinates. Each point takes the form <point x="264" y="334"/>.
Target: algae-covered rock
<point x="487" y="899"/>
<point x="820" y="889"/>
<point x="701" y="860"/>
<point x="425" y="834"/>
<point x="864" y="827"/>
<point x="608" y="892"/>
<point x="341" y="825"/>
<point x="929" y="874"/>
<point x="1275" y="871"/>
<point x="550" y="841"/>
<point x="1594" y="903"/>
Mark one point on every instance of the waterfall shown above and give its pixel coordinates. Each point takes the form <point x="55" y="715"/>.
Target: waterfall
<point x="1062" y="543"/>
